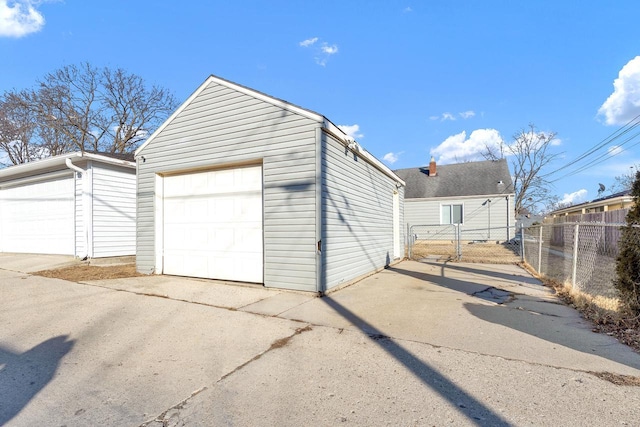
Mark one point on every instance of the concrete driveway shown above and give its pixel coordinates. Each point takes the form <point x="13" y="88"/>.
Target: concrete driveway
<point x="422" y="343"/>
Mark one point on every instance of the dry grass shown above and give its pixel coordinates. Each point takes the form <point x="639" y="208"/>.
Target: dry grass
<point x="79" y="273"/>
<point x="490" y="253"/>
<point x="607" y="314"/>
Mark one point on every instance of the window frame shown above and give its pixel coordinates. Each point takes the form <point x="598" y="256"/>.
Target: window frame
<point x="451" y="216"/>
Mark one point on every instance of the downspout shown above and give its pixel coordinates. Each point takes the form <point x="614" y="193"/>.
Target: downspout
<point x="86" y="201"/>
<point x="320" y="273"/>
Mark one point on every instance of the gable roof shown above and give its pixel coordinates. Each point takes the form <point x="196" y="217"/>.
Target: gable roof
<point x="242" y="89"/>
<point x="325" y="123"/>
<point x="457" y="180"/>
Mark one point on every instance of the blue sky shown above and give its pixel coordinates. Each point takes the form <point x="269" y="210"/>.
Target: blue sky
<point x="411" y="79"/>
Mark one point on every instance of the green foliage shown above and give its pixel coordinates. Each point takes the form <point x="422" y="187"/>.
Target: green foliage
<point x="628" y="262"/>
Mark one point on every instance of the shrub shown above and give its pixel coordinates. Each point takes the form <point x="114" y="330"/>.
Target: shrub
<point x="628" y="261"/>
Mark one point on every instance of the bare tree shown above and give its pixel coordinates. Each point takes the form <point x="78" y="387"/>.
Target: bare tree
<point x="16" y="129"/>
<point x="624" y="181"/>
<point x="82" y="108"/>
<point x="530" y="152"/>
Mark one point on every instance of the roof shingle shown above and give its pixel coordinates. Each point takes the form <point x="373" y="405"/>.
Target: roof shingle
<point x="461" y="179"/>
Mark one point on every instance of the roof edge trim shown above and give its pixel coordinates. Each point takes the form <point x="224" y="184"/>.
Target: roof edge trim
<point x="337" y="133"/>
<point x="60" y="160"/>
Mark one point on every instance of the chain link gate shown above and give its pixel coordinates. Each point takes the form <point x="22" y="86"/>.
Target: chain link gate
<point x="434" y="240"/>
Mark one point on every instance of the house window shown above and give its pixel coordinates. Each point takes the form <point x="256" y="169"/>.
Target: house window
<point x="451" y="214"/>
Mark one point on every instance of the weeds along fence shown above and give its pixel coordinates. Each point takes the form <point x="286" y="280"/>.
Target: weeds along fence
<point x="455" y="242"/>
<point x="580" y="254"/>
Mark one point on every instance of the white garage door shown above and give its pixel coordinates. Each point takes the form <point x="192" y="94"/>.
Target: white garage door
<point x="213" y="224"/>
<point x="38" y="217"/>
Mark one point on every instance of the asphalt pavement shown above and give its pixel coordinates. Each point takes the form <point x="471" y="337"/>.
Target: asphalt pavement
<point x="421" y="343"/>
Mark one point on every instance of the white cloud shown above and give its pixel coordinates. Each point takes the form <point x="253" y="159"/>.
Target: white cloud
<point x="322" y="52"/>
<point x="19" y="18"/>
<point x="391" y="157"/>
<point x="325" y="52"/>
<point x="449" y="116"/>
<point x="329" y="50"/>
<point x="352" y="130"/>
<point x="308" y="42"/>
<point x="407" y="9"/>
<point x="614" y="150"/>
<point x="458" y="148"/>
<point x="573" y="198"/>
<point x="624" y="103"/>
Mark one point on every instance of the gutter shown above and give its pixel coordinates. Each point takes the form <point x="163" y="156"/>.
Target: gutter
<point x="61" y="160"/>
<point x="356" y="148"/>
<point x="87" y="207"/>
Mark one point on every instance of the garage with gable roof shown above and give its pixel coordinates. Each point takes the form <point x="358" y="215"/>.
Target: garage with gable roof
<point x="239" y="185"/>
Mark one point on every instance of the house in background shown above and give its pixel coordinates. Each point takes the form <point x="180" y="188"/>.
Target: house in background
<point x="610" y="209"/>
<point x="478" y="196"/>
<point x="239" y="185"/>
<point x="620" y="200"/>
<point x="79" y="204"/>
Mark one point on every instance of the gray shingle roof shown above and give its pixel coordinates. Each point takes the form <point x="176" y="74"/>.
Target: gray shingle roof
<point x="461" y="179"/>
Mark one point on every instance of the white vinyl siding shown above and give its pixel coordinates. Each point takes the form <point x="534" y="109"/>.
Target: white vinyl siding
<point x="80" y="231"/>
<point x="222" y="127"/>
<point x="114" y="210"/>
<point x="357" y="206"/>
<point x="478" y="214"/>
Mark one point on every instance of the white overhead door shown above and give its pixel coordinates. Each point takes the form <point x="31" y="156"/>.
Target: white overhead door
<point x="38" y="217"/>
<point x="213" y="224"/>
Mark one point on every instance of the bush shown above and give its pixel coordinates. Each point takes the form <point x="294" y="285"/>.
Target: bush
<point x="628" y="261"/>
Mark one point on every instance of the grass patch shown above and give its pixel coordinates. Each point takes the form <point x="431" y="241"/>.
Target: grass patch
<point x="79" y="273"/>
<point x="607" y="314"/>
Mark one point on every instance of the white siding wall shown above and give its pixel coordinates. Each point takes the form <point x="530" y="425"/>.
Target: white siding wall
<point x="222" y="127"/>
<point x="357" y="211"/>
<point x="114" y="210"/>
<point x="477" y="215"/>
<point x="81" y="250"/>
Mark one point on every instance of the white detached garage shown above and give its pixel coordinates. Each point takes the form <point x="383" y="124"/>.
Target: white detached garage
<point x="79" y="204"/>
<point x="238" y="185"/>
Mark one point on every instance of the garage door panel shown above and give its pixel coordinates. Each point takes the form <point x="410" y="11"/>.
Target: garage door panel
<point x="38" y="217"/>
<point x="213" y="224"/>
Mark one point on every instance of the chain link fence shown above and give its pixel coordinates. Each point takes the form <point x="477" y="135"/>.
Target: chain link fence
<point x="455" y="242"/>
<point x="582" y="255"/>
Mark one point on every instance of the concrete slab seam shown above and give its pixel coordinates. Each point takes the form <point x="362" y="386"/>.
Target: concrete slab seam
<point x="161" y="418"/>
<point x="603" y="375"/>
<point x="279" y="343"/>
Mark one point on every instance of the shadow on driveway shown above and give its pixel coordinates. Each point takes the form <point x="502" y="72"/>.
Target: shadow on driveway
<point x="470" y="407"/>
<point x="557" y="325"/>
<point x="22" y="376"/>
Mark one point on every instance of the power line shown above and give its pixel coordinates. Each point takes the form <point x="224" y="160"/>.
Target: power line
<point x="604" y="156"/>
<point x="620" y="132"/>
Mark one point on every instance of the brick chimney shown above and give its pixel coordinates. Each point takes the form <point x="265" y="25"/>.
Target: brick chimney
<point x="432" y="166"/>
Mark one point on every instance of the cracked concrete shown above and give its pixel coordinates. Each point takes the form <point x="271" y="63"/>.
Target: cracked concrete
<point x="420" y="343"/>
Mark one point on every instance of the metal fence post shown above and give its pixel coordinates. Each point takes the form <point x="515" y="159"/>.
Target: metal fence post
<point x="540" y="250"/>
<point x="409" y="240"/>
<point x="522" y="244"/>
<point x="458" y="248"/>
<point x="575" y="255"/>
